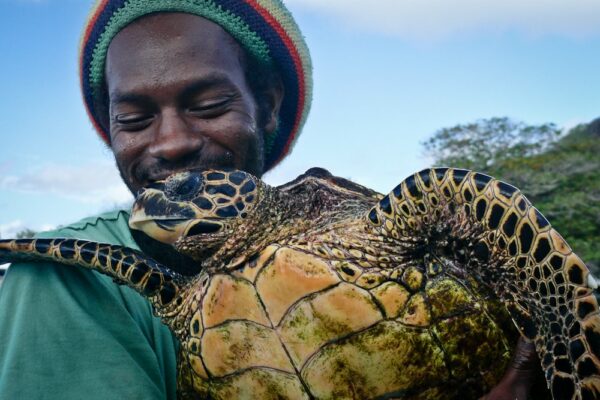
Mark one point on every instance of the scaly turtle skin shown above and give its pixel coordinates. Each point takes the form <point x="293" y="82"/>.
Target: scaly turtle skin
<point x="324" y="289"/>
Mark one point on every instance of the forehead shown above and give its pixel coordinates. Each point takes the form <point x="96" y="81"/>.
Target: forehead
<point x="163" y="47"/>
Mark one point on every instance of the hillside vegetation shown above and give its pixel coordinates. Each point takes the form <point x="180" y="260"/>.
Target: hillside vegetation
<point x="559" y="173"/>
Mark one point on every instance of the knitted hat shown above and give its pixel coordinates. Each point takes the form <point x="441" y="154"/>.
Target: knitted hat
<point x="264" y="28"/>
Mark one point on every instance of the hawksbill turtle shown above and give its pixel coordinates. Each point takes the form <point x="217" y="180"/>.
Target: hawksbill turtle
<point x="324" y="289"/>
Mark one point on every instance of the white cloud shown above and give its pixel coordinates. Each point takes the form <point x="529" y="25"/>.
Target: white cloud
<point x="440" y="19"/>
<point x="10" y="229"/>
<point x="94" y="183"/>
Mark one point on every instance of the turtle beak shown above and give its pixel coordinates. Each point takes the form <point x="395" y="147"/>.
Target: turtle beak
<point x="160" y="218"/>
<point x="165" y="231"/>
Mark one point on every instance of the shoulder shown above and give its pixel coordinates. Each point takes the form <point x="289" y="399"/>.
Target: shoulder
<point x="30" y="282"/>
<point x="27" y="281"/>
<point x="111" y="227"/>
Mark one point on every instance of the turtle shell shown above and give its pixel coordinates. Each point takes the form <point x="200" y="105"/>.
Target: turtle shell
<point x="293" y="325"/>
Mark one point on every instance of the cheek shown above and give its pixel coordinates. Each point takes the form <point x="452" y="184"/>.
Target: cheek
<point x="239" y="134"/>
<point x="127" y="151"/>
<point x="246" y="130"/>
<point x="125" y="146"/>
<point x="245" y="145"/>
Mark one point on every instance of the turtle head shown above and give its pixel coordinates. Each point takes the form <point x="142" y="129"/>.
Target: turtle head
<point x="197" y="212"/>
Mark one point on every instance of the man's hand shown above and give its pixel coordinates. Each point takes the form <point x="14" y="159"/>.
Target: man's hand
<point x="520" y="375"/>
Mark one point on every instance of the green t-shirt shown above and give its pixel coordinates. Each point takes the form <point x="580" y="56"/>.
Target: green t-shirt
<point x="70" y="333"/>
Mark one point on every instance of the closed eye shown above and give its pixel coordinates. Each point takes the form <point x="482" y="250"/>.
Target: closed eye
<point x="210" y="109"/>
<point x="134" y="121"/>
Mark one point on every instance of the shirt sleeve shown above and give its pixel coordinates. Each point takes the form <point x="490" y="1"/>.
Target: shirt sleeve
<point x="68" y="333"/>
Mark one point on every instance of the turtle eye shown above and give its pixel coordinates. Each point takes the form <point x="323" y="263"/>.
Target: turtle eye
<point x="184" y="187"/>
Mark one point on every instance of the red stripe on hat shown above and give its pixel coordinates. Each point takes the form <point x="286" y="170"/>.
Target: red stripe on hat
<point x="297" y="63"/>
<point x="90" y="26"/>
<point x="86" y="36"/>
<point x="97" y="127"/>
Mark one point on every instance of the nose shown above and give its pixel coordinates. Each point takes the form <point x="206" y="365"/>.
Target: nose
<point x="174" y="139"/>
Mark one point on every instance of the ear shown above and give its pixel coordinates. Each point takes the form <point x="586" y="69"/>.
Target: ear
<point x="273" y="99"/>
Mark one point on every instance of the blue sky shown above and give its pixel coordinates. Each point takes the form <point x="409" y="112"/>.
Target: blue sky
<point x="388" y="74"/>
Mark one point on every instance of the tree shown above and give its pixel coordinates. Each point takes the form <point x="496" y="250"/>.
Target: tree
<point x="487" y="142"/>
<point x="561" y="176"/>
<point x="26" y="234"/>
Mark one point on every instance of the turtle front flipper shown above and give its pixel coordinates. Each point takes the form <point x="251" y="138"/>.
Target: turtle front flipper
<point x="126" y="266"/>
<point x="493" y="233"/>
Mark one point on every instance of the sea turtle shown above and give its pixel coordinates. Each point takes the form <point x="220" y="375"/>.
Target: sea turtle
<point x="324" y="289"/>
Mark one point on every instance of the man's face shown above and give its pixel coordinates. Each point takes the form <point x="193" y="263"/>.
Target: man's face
<point x="179" y="100"/>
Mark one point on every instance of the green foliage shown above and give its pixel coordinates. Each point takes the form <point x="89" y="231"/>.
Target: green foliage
<point x="561" y="176"/>
<point x="487" y="142"/>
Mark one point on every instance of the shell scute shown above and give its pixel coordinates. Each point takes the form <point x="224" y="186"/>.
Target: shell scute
<point x="327" y="316"/>
<point x="474" y="342"/>
<point x="258" y="383"/>
<point x="417" y="312"/>
<point x="290" y="276"/>
<point x="237" y="345"/>
<point x="374" y="362"/>
<point x="393" y="298"/>
<point x="228" y="298"/>
<point x="446" y="298"/>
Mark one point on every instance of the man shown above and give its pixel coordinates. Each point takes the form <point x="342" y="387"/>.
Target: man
<point x="169" y="85"/>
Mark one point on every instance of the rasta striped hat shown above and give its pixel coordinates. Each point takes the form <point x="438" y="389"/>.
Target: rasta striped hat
<point x="264" y="28"/>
